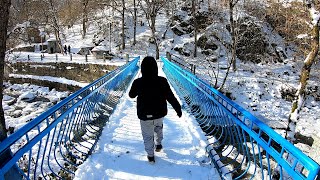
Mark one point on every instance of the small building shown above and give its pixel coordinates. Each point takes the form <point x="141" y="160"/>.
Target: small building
<point x="52" y="46"/>
<point x="85" y="49"/>
<point x="101" y="52"/>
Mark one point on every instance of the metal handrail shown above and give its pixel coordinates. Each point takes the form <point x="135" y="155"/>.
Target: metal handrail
<point x="60" y="139"/>
<point x="241" y="146"/>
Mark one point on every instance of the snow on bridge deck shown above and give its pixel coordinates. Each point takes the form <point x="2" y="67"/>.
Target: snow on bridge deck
<point x="120" y="153"/>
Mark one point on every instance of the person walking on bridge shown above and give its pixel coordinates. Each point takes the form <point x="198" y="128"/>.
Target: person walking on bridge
<point x="152" y="92"/>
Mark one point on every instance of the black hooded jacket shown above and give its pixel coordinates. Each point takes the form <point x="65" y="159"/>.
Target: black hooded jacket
<point x="153" y="91"/>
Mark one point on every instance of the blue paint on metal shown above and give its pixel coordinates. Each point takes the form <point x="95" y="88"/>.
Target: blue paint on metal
<point x="243" y="146"/>
<point x="65" y="135"/>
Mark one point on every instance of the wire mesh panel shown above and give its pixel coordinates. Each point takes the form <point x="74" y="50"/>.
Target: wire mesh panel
<point x="240" y="146"/>
<point x="56" y="142"/>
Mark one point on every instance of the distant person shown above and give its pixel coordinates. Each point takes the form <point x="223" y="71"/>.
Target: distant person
<point x="69" y="49"/>
<point x="65" y="49"/>
<point x="152" y="92"/>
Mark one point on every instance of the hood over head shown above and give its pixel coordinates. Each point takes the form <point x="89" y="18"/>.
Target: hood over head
<point x="149" y="67"/>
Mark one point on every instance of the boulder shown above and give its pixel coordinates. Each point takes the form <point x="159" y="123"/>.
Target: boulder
<point x="185" y="50"/>
<point x="252" y="44"/>
<point x="315" y="153"/>
<point x="183" y="22"/>
<point x="27" y="97"/>
<point x="256" y="43"/>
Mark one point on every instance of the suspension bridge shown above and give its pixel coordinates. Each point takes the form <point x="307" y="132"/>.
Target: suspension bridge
<point x="74" y="138"/>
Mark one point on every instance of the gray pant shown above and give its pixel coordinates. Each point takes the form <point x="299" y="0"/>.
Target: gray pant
<point x="151" y="133"/>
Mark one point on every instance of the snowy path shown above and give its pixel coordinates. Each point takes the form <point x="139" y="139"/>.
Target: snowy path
<point x="120" y="152"/>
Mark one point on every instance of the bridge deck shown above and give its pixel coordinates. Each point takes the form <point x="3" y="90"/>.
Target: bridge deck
<point x="120" y="152"/>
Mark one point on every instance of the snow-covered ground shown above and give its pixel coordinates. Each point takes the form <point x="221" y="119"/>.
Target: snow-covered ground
<point x="60" y="80"/>
<point x="58" y="58"/>
<point x="24" y="102"/>
<point x="120" y="153"/>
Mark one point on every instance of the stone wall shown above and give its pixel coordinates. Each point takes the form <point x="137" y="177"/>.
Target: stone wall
<point x="72" y="71"/>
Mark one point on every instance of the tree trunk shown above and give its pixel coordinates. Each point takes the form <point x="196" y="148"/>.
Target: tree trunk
<point x="6" y="155"/>
<point x="225" y="77"/>
<point x="304" y="77"/>
<point x="123" y="34"/>
<point x="84" y="17"/>
<point x="70" y="22"/>
<point x="110" y="33"/>
<point x="4" y="17"/>
<point x="57" y="34"/>
<point x="26" y="18"/>
<point x="157" y="51"/>
<point x="233" y="35"/>
<point x="153" y="30"/>
<point x="55" y="25"/>
<point x="232" y="61"/>
<point x="195" y="28"/>
<point x="134" y="22"/>
<point x="152" y="9"/>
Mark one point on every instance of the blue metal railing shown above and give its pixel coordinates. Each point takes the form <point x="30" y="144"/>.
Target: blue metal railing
<point x="53" y="144"/>
<point x="241" y="146"/>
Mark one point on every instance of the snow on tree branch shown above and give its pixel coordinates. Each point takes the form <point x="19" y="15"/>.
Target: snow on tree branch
<point x="315" y="15"/>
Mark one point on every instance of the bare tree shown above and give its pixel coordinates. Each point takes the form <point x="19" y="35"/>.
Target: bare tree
<point x="232" y="61"/>
<point x="232" y="4"/>
<point x="26" y="12"/>
<point x="70" y="12"/>
<point x="134" y="6"/>
<point x="134" y="22"/>
<point x="195" y="26"/>
<point x="122" y="28"/>
<point x="115" y="5"/>
<point x="305" y="72"/>
<point x="4" y="18"/>
<point x="170" y="9"/>
<point x="213" y="70"/>
<point x="151" y="10"/>
<point x="84" y="17"/>
<point x="53" y="16"/>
